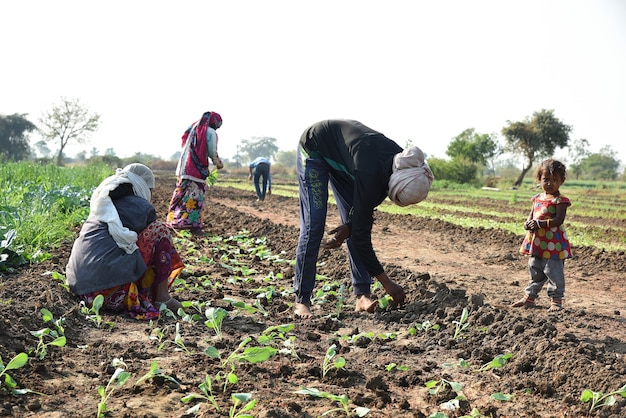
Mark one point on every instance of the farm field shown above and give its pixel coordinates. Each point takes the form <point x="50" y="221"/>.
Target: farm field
<point x="496" y="361"/>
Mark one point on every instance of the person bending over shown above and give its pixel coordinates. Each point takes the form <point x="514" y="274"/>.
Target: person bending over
<point x="363" y="168"/>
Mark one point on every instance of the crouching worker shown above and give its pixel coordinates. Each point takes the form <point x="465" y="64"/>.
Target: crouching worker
<point x="122" y="252"/>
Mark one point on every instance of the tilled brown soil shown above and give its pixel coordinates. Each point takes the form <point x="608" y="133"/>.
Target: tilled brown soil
<point x="444" y="269"/>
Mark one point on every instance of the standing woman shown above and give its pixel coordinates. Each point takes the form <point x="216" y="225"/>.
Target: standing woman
<point x="199" y="146"/>
<point x="122" y="252"/>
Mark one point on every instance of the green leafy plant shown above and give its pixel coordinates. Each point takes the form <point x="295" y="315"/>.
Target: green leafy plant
<point x="475" y="413"/>
<point x="178" y="340"/>
<point x="118" y="379"/>
<point x="393" y="366"/>
<point x="15" y="363"/>
<point x="330" y="362"/>
<point x="424" y="326"/>
<point x="435" y="387"/>
<point x="598" y="399"/>
<point x="241" y="398"/>
<point x="56" y="334"/>
<point x="461" y="324"/>
<point x="499" y="396"/>
<point x="215" y="318"/>
<point x="93" y="313"/>
<point x="206" y="389"/>
<point x="498" y="361"/>
<point x="342" y="399"/>
<point x="155" y="372"/>
<point x="461" y="363"/>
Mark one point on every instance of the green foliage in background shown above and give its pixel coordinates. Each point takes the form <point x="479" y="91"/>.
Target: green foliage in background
<point x="42" y="203"/>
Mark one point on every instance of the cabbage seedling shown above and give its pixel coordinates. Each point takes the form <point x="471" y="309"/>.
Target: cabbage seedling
<point x="461" y="324"/>
<point x="120" y="376"/>
<point x="15" y="363"/>
<point x="206" y="388"/>
<point x="215" y="317"/>
<point x="328" y="364"/>
<point x="599" y="399"/>
<point x="58" y="339"/>
<point x="239" y="398"/>
<point x="343" y="400"/>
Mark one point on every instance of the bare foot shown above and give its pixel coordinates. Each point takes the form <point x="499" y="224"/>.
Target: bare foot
<point x="365" y="304"/>
<point x="523" y="302"/>
<point x="555" y="308"/>
<point x="303" y="310"/>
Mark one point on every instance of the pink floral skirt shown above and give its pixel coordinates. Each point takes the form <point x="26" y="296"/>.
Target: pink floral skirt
<point x="186" y="205"/>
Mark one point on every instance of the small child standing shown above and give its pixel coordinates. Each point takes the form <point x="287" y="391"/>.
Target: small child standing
<point x="546" y="241"/>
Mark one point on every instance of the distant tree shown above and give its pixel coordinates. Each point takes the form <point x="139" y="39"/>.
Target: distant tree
<point x="176" y="156"/>
<point x="458" y="170"/>
<point x="602" y="165"/>
<point x="535" y="138"/>
<point x="286" y="158"/>
<point x="82" y="156"/>
<point x="258" y="147"/>
<point x="577" y="151"/>
<point x="94" y="152"/>
<point x="14" y="131"/>
<point x="477" y="148"/>
<point x="110" y="152"/>
<point x="68" y="121"/>
<point x="42" y="149"/>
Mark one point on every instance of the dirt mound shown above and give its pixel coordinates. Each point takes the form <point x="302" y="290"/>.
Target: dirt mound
<point x="390" y="355"/>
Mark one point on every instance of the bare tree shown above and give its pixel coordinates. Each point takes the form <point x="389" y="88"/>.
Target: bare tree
<point x="68" y="121"/>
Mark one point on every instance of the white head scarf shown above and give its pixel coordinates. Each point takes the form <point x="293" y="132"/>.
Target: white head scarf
<point x="102" y="208"/>
<point x="411" y="178"/>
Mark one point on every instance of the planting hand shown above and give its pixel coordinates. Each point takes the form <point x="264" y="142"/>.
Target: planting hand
<point x="392" y="288"/>
<point x="342" y="233"/>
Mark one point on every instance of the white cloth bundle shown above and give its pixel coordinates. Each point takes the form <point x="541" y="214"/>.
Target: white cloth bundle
<point x="411" y="178"/>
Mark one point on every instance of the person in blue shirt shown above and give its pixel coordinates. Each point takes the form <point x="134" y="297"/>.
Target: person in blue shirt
<point x="260" y="172"/>
<point x="363" y="168"/>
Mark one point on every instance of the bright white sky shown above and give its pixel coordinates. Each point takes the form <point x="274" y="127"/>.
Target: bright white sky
<point x="419" y="70"/>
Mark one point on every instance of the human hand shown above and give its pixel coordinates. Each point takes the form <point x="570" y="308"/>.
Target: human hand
<point x="250" y="177"/>
<point x="530" y="225"/>
<point x="342" y="233"/>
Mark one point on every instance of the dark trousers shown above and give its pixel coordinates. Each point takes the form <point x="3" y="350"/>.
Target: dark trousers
<point x="261" y="175"/>
<point x="314" y="175"/>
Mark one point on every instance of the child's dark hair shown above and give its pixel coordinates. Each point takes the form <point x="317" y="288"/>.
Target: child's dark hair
<point x="554" y="167"/>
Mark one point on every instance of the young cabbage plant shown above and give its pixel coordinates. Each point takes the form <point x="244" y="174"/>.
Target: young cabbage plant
<point x="155" y="372"/>
<point x="342" y="399"/>
<point x="6" y="381"/>
<point x="598" y="399"/>
<point x="206" y="389"/>
<point x="119" y="378"/>
<point x="56" y="335"/>
<point x="330" y="362"/>
<point x="461" y="324"/>
<point x="240" y="399"/>
<point x="93" y="313"/>
<point x="215" y="318"/>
